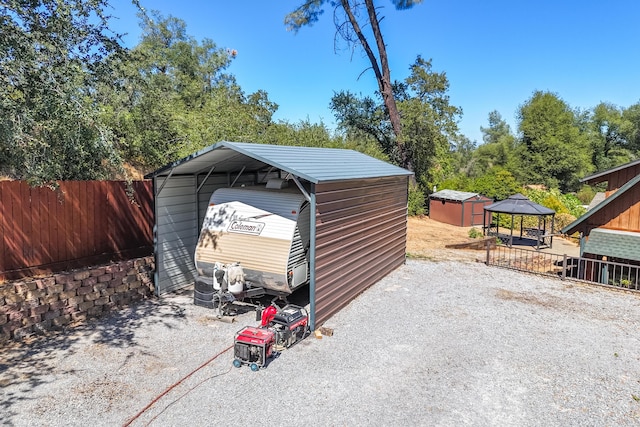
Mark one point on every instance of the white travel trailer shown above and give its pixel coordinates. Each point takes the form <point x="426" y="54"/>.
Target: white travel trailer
<point x="253" y="240"/>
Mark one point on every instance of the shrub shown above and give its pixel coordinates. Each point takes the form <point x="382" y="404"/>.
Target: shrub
<point x="586" y="194"/>
<point x="475" y="233"/>
<point x="573" y="204"/>
<point x="416" y="200"/>
<point x="561" y="221"/>
<point x="497" y="184"/>
<point x="553" y="199"/>
<point x="554" y="202"/>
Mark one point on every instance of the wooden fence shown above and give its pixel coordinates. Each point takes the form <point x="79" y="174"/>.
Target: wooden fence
<point x="78" y="224"/>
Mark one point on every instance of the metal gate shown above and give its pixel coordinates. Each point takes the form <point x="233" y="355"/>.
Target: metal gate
<point x="607" y="273"/>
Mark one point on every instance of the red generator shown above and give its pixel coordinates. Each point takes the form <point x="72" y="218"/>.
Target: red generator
<point x="290" y="325"/>
<point x="253" y="346"/>
<point x="280" y="329"/>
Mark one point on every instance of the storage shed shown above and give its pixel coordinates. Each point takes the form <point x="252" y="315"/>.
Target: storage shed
<point x="358" y="225"/>
<point x="460" y="208"/>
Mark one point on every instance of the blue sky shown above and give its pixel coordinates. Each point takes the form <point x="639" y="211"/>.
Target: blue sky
<point x="495" y="53"/>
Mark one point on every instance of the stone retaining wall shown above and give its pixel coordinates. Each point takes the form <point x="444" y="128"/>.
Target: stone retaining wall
<point x="37" y="305"/>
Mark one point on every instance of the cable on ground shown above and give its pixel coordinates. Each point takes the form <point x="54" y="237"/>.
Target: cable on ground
<point x="146" y="408"/>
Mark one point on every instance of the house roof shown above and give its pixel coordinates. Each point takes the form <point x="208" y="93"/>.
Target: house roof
<point x="614" y="243"/>
<point x="595" y="178"/>
<point x="519" y="205"/>
<point x="597" y="199"/>
<point x="573" y="227"/>
<point x="313" y="164"/>
<point x="457" y="196"/>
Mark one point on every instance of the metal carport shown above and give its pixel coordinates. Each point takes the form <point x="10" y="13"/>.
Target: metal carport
<point x="358" y="232"/>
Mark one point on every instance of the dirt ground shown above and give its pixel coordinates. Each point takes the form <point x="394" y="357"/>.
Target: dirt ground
<point x="427" y="239"/>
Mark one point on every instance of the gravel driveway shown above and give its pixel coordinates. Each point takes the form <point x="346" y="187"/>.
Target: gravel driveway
<point x="433" y="344"/>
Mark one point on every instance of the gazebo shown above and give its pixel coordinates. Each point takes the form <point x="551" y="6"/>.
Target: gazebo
<point x="519" y="205"/>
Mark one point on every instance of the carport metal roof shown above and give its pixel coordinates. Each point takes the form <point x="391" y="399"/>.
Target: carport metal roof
<point x="312" y="164"/>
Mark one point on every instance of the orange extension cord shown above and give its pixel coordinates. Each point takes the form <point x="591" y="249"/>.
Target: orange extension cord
<point x="135" y="417"/>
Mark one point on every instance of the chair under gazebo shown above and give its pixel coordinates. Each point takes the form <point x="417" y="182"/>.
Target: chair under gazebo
<point x="519" y="205"/>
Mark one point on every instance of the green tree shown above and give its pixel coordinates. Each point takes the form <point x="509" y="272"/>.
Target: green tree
<point x="497" y="183"/>
<point x="610" y="146"/>
<point x="497" y="149"/>
<point x="416" y="200"/>
<point x="170" y="77"/>
<point x="631" y="128"/>
<point x="459" y="182"/>
<point x="553" y="150"/>
<point x="428" y="119"/>
<point x="430" y="122"/>
<point x="306" y="133"/>
<point x="51" y="61"/>
<point x="352" y="30"/>
<point x="365" y="119"/>
<point x="585" y="194"/>
<point x="462" y="152"/>
<point x="303" y="133"/>
<point x="179" y="97"/>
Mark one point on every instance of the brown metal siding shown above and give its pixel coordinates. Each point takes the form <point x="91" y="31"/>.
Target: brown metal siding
<point x="460" y="213"/>
<point x="361" y="231"/>
<point x="447" y="211"/>
<point x="473" y="211"/>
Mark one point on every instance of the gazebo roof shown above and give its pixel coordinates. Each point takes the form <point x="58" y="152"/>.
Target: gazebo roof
<point x="519" y="205"/>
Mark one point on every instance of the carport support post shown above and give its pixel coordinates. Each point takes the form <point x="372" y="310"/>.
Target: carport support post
<point x="156" y="275"/>
<point x="156" y="248"/>
<point x="312" y="260"/>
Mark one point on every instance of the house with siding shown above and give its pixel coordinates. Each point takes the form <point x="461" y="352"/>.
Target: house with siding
<point x="611" y="230"/>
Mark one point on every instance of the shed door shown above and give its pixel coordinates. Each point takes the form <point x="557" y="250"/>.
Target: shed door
<point x="176" y="233"/>
<point x="361" y="235"/>
<point x="477" y="212"/>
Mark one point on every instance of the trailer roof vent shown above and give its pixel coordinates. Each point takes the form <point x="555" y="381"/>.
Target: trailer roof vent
<point x="277" y="183"/>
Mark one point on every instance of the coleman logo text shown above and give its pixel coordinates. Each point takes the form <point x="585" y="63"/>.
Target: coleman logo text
<point x="246" y="227"/>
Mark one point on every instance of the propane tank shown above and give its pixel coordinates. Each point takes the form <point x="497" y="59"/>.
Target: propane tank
<point x="216" y="283"/>
<point x="235" y="278"/>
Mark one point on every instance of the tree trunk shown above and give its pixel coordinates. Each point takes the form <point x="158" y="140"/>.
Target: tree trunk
<point x="384" y="80"/>
<point x="383" y="75"/>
